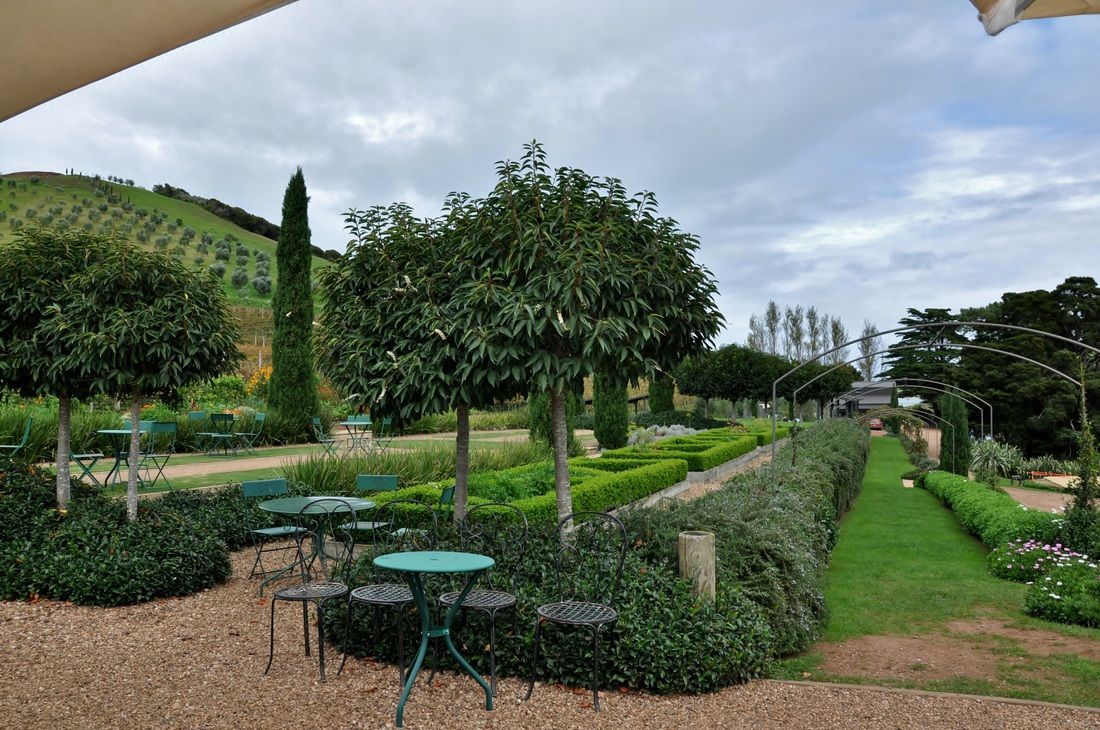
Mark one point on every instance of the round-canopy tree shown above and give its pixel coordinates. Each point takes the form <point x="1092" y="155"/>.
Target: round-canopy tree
<point x="144" y="324"/>
<point x="568" y="276"/>
<point x="392" y="324"/>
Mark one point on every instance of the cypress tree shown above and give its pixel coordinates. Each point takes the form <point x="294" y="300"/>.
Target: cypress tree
<point x="954" y="442"/>
<point x="611" y="420"/>
<point x="293" y="391"/>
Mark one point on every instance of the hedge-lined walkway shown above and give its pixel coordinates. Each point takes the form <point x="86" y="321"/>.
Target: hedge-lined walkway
<point x="912" y="604"/>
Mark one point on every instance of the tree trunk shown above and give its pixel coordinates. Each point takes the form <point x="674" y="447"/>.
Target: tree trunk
<point x="462" y="462"/>
<point x="64" y="435"/>
<point x="135" y="457"/>
<point x="560" y="438"/>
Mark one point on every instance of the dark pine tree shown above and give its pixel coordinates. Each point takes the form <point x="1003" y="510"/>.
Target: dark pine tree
<point x="293" y="392"/>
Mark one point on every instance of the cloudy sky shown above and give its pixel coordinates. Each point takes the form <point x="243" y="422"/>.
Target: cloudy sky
<point x="855" y="155"/>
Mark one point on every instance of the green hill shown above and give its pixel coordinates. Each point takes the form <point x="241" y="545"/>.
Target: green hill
<point x="153" y="221"/>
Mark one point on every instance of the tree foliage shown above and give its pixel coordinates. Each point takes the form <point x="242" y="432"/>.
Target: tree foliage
<point x="954" y="436"/>
<point x="662" y="390"/>
<point x="611" y="419"/>
<point x="293" y="388"/>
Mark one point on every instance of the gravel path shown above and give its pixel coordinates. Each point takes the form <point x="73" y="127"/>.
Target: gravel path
<point x="198" y="662"/>
<point x="1038" y="499"/>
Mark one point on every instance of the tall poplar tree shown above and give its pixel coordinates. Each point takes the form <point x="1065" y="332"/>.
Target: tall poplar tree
<point x="293" y="391"/>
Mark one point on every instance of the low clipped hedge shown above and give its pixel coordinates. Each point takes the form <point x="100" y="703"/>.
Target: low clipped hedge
<point x="701" y="452"/>
<point x="91" y="554"/>
<point x="993" y="517"/>
<point x="598" y="485"/>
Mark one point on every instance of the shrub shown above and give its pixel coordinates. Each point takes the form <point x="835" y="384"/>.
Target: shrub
<point x="92" y="554"/>
<point x="262" y="285"/>
<point x="701" y="453"/>
<point x="773" y="536"/>
<point x="662" y="389"/>
<point x="665" y="640"/>
<point x="611" y="416"/>
<point x="218" y="269"/>
<point x="239" y="278"/>
<point x="672" y="418"/>
<point x="1026" y="561"/>
<point x="993" y="517"/>
<point x="1069" y="593"/>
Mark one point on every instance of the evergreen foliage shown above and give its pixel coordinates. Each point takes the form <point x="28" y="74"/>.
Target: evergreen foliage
<point x="293" y="390"/>
<point x="611" y="419"/>
<point x="662" y="388"/>
<point x="955" y="438"/>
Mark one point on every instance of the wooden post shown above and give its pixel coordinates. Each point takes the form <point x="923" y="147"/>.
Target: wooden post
<point x="696" y="550"/>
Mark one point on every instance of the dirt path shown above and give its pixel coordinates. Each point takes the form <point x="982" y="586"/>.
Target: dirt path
<point x="198" y="662"/>
<point x="1038" y="499"/>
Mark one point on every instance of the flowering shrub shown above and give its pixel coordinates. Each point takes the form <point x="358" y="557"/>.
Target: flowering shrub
<point x="1026" y="561"/>
<point x="1069" y="593"/>
<point x="258" y="382"/>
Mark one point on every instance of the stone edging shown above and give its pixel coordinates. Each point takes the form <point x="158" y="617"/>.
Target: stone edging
<point x="928" y="693"/>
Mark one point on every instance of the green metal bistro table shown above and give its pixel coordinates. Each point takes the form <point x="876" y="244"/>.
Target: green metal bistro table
<point x="359" y="434"/>
<point x="120" y="444"/>
<point x="415" y="563"/>
<point x="293" y="506"/>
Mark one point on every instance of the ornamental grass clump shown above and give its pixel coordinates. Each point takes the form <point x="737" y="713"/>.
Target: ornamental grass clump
<point x="1026" y="561"/>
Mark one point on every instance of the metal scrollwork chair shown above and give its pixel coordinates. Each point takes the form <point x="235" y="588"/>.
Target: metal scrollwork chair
<point x="589" y="564"/>
<point x="400" y="525"/>
<point x="500" y="531"/>
<point x="325" y="554"/>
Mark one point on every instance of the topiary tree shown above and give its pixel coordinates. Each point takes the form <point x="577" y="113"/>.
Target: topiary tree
<point x="662" y="389"/>
<point x="392" y="327"/>
<point x="570" y="276"/>
<point x="611" y="419"/>
<point x="293" y="390"/>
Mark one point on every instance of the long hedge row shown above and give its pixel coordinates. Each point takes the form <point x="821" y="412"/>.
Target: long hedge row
<point x="993" y="517"/>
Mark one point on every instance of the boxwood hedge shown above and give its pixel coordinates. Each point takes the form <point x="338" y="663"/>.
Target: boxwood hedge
<point x="701" y="452"/>
<point x="993" y="517"/>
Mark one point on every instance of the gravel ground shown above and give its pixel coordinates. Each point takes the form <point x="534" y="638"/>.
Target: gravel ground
<point x="1039" y="499"/>
<point x="198" y="662"/>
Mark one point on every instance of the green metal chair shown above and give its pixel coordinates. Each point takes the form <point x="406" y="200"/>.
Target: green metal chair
<point x="87" y="462"/>
<point x="446" y="507"/>
<point x="11" y="450"/>
<point x="327" y="442"/>
<point x="382" y="440"/>
<point x="220" y="434"/>
<point x="365" y="485"/>
<point x="262" y="535"/>
<point x="248" y="439"/>
<point x="160" y="447"/>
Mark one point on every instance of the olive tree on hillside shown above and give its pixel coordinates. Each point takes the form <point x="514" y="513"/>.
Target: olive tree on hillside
<point x="567" y="276"/>
<point x="392" y="325"/>
<point x="144" y="325"/>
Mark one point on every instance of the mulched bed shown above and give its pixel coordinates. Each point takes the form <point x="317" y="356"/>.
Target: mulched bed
<point x="198" y="662"/>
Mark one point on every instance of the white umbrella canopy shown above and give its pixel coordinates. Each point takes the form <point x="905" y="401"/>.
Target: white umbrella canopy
<point x="50" y="47"/>
<point x="997" y="15"/>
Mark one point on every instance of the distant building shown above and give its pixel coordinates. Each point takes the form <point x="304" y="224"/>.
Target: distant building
<point x="864" y="396"/>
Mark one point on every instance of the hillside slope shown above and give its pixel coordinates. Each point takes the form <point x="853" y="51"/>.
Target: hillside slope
<point x="153" y="221"/>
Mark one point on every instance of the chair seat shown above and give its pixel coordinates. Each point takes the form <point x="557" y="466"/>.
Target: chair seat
<point x="480" y="599"/>
<point x="311" y="591"/>
<point x="383" y="594"/>
<point x="363" y="526"/>
<point x="287" y="530"/>
<point x="96" y="455"/>
<point x="578" y="612"/>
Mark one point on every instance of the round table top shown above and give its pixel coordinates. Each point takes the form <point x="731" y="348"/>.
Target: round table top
<point x="294" y="505"/>
<point x="356" y="423"/>
<point x="434" y="561"/>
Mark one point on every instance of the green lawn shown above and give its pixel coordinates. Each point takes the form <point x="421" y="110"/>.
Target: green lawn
<point x="904" y="567"/>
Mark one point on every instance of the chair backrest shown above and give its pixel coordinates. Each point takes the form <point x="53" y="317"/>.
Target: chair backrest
<point x="330" y="520"/>
<point x="258" y="421"/>
<point x="26" y="432"/>
<point x="404" y="525"/>
<point x="196" y="415"/>
<point x="221" y="422"/>
<point x="446" y="504"/>
<point x="376" y="482"/>
<point x="591" y="551"/>
<point x="162" y="435"/>
<point x="500" y="531"/>
<point x="264" y="487"/>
